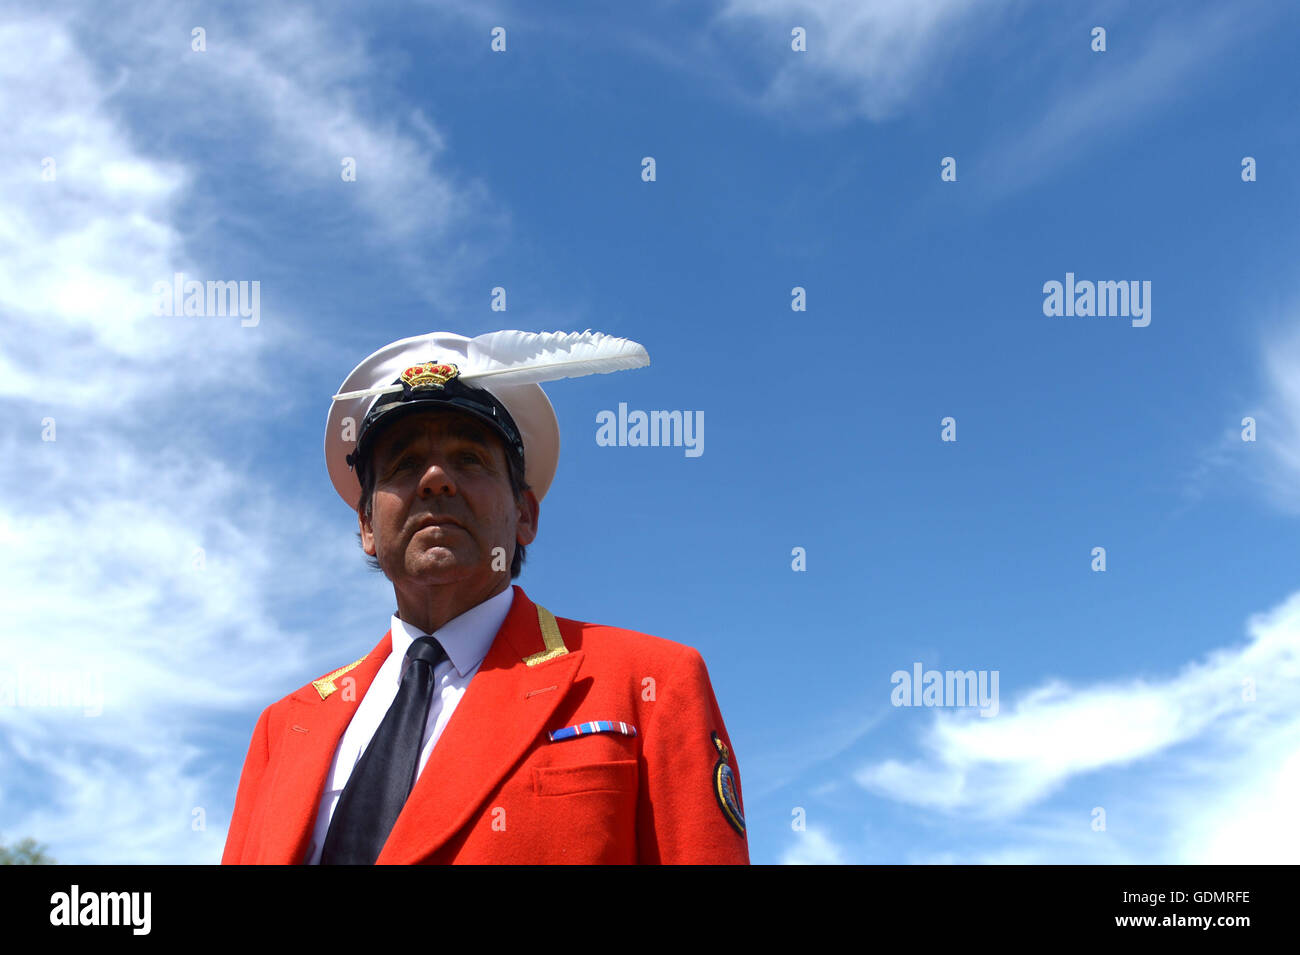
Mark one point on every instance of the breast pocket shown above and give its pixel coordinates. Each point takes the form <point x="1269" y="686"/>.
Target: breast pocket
<point x="613" y="777"/>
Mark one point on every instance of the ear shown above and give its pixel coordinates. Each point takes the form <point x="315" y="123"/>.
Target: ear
<point x="529" y="512"/>
<point x="367" y="534"/>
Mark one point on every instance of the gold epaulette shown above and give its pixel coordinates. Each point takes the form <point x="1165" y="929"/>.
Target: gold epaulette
<point x="550" y="637"/>
<point x="325" y="685"/>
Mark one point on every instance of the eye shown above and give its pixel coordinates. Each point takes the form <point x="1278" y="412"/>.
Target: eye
<point x="471" y="457"/>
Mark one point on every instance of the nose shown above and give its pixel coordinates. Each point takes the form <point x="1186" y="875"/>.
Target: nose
<point x="437" y="478"/>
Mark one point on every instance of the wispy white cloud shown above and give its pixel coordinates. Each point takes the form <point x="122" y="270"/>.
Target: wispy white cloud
<point x="778" y="765"/>
<point x="1278" y="421"/>
<point x="1162" y="62"/>
<point x="1224" y="733"/>
<point x="1269" y="465"/>
<point x="302" y="94"/>
<point x="145" y="551"/>
<point x="813" y="846"/>
<point x="77" y="252"/>
<point x="868" y="59"/>
<point x="284" y="96"/>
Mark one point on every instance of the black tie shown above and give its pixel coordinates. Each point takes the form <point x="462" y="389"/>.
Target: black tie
<point x="383" y="777"/>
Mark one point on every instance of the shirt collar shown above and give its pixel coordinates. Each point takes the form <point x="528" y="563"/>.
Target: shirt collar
<point x="466" y="638"/>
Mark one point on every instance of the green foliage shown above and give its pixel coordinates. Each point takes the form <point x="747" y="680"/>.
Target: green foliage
<point x="27" y="852"/>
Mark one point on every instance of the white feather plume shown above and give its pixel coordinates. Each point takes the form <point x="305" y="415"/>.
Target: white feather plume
<point x="523" y="358"/>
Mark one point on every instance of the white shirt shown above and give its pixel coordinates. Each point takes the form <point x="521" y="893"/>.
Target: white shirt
<point x="466" y="639"/>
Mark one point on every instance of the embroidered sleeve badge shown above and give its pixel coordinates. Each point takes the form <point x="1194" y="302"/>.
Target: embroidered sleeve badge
<point x="724" y="787"/>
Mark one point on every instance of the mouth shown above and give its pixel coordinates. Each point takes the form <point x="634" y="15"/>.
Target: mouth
<point x="435" y="520"/>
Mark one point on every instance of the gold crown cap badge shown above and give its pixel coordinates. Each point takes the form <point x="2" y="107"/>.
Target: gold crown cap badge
<point x="429" y="374"/>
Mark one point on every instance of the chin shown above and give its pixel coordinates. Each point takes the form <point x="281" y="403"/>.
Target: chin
<point x="437" y="562"/>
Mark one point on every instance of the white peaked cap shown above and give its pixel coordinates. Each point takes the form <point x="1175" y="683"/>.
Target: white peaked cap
<point x="507" y="364"/>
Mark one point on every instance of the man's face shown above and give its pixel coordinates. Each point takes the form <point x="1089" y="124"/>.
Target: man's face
<point x="442" y="502"/>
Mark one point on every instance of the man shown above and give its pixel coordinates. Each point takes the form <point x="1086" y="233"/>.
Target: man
<point x="481" y="728"/>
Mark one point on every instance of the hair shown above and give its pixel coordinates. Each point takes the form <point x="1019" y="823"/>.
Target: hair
<point x="366" y="475"/>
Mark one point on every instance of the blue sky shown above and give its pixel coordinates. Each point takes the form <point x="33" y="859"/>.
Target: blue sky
<point x="179" y="541"/>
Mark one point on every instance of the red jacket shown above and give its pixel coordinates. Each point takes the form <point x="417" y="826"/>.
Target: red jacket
<point x="496" y="788"/>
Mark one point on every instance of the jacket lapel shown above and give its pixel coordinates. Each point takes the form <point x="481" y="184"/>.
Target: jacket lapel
<point x="314" y="727"/>
<point x="504" y="710"/>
